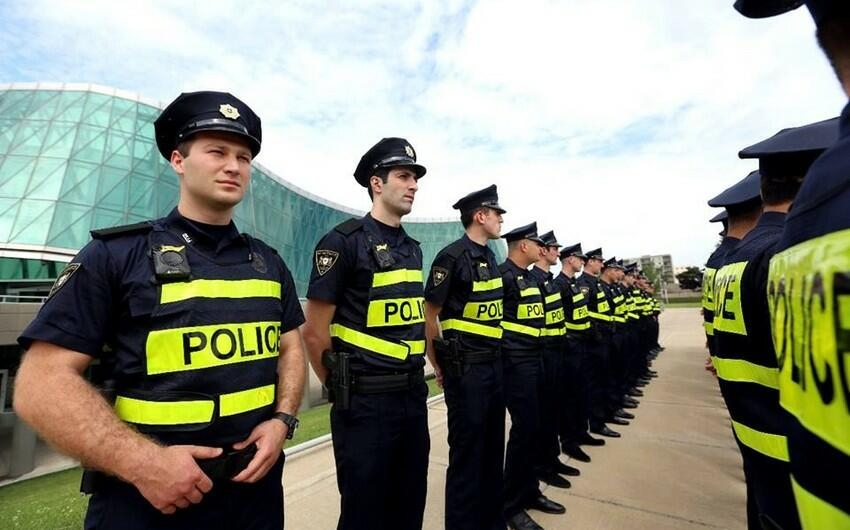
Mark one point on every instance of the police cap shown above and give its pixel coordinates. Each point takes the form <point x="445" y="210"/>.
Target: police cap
<point x="595" y="254"/>
<point x="791" y="151"/>
<point x="387" y="153"/>
<point x="631" y="268"/>
<point x="549" y="239"/>
<point x="722" y="216"/>
<point x="572" y="250"/>
<point x="486" y="198"/>
<point x="193" y="112"/>
<point x="528" y="231"/>
<point x="743" y="191"/>
<point x="612" y="263"/>
<point x="821" y="10"/>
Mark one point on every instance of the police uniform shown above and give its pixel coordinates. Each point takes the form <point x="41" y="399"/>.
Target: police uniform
<point x="743" y="195"/>
<point x="184" y="365"/>
<point x="600" y="316"/>
<point x="522" y="322"/>
<point x="372" y="273"/>
<point x="551" y="376"/>
<point x="573" y="423"/>
<point x="617" y="355"/>
<point x="466" y="284"/>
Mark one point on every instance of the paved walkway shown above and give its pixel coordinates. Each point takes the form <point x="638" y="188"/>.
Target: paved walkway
<point x="676" y="466"/>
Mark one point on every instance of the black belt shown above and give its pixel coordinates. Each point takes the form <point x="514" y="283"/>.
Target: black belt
<point x="480" y="356"/>
<point x="379" y="384"/>
<point x="521" y="354"/>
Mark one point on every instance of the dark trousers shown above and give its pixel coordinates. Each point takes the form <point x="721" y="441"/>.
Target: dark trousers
<point x="258" y="506"/>
<point x="381" y="446"/>
<point x="476" y="420"/>
<point x="597" y="375"/>
<point x="551" y="404"/>
<point x="613" y="373"/>
<point x="769" y="484"/>
<point x="521" y="384"/>
<point x="573" y="394"/>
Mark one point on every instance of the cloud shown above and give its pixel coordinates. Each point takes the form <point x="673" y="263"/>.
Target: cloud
<point x="610" y="122"/>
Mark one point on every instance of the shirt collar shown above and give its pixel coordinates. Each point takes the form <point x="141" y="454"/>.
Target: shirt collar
<point x="199" y="234"/>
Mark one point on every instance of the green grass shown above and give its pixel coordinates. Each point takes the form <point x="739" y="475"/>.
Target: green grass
<point x="53" y="502"/>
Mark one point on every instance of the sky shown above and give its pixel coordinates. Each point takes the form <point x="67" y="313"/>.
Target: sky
<point x="609" y="122"/>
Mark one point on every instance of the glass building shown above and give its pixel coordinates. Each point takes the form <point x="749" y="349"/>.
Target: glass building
<point x="78" y="157"/>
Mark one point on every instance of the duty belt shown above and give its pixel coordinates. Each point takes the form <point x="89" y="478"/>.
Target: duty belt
<point x="379" y="384"/>
<point x="521" y="354"/>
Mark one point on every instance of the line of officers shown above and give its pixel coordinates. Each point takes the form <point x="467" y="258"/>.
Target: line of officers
<point x="775" y="305"/>
<point x="563" y="354"/>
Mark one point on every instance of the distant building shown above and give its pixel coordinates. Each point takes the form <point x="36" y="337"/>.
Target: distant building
<point x="663" y="263"/>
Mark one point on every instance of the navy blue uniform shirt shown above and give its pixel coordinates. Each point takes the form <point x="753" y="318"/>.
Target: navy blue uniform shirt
<point x="93" y="306"/>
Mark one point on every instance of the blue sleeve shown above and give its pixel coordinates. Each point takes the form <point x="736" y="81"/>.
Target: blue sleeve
<point x="332" y="262"/>
<point x="80" y="309"/>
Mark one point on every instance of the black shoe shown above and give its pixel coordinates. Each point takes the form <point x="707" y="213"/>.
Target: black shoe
<point x="564" y="469"/>
<point x="546" y="505"/>
<point x="625" y="415"/>
<point x="522" y="521"/>
<point x="617" y="421"/>
<point x="576" y="453"/>
<point x="587" y="439"/>
<point x="634" y="392"/>
<point x="553" y="479"/>
<point x="605" y="431"/>
<point x="630" y="404"/>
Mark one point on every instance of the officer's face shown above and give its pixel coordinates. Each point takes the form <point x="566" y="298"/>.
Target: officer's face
<point x="551" y="254"/>
<point x="491" y="221"/>
<point x="216" y="172"/>
<point x="593" y="265"/>
<point x="397" y="193"/>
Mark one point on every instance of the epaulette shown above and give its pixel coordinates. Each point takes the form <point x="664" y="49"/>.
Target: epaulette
<point x="115" y="231"/>
<point x="455" y="250"/>
<point x="349" y="227"/>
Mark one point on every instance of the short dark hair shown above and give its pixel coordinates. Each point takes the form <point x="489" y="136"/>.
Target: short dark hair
<point x="779" y="189"/>
<point x="467" y="216"/>
<point x="185" y="146"/>
<point x="382" y="173"/>
<point x="833" y="36"/>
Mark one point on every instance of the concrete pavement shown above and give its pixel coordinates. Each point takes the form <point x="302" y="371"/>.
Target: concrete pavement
<point x="676" y="466"/>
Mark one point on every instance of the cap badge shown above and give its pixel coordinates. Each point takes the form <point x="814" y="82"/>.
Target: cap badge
<point x="409" y="150"/>
<point x="228" y="111"/>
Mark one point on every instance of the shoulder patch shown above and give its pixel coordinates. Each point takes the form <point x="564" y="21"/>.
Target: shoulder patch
<point x="438" y="274"/>
<point x="63" y="278"/>
<point x="115" y="231"/>
<point x="585" y="290"/>
<point x="325" y="260"/>
<point x="349" y="227"/>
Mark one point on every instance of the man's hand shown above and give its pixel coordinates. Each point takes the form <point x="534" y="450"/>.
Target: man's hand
<point x="269" y="437"/>
<point x="173" y="480"/>
<point x="709" y="366"/>
<point x="438" y="375"/>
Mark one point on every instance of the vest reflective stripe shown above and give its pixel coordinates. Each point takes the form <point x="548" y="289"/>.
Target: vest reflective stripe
<point x="746" y="372"/>
<point x="554" y="297"/>
<point x="772" y="445"/>
<point x="178" y="291"/>
<point x="144" y="412"/>
<point x="529" y="291"/>
<point x="395" y="311"/>
<point x="815" y="512"/>
<point x="577" y="327"/>
<point x="487" y="285"/>
<point x="555" y="317"/>
<point x="198" y="347"/>
<point x="530" y="311"/>
<point x="578" y="297"/>
<point x="483" y="310"/>
<point x="728" y="314"/>
<point x="580" y="313"/>
<point x="382" y="279"/>
<point x="519" y="328"/>
<point x="551" y="332"/>
<point x="377" y="345"/>
<point x="471" y="327"/>
<point x="599" y="316"/>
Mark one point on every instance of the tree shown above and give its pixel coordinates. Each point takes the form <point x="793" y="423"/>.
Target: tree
<point x="653" y="274"/>
<point x="690" y="278"/>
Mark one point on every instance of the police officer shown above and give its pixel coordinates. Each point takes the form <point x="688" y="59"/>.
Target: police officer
<point x="464" y="292"/>
<point x="551" y="378"/>
<point x="365" y="334"/>
<point x="576" y="375"/>
<point x="745" y="358"/>
<point x="602" y="326"/>
<point x="202" y="390"/>
<point x="742" y="203"/>
<point x="522" y="322"/>
<point x="614" y="391"/>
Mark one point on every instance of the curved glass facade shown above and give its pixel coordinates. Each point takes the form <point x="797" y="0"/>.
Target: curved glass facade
<point x="77" y="157"/>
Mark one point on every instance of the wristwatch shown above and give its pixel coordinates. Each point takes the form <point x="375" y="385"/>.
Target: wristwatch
<point x="290" y="421"/>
